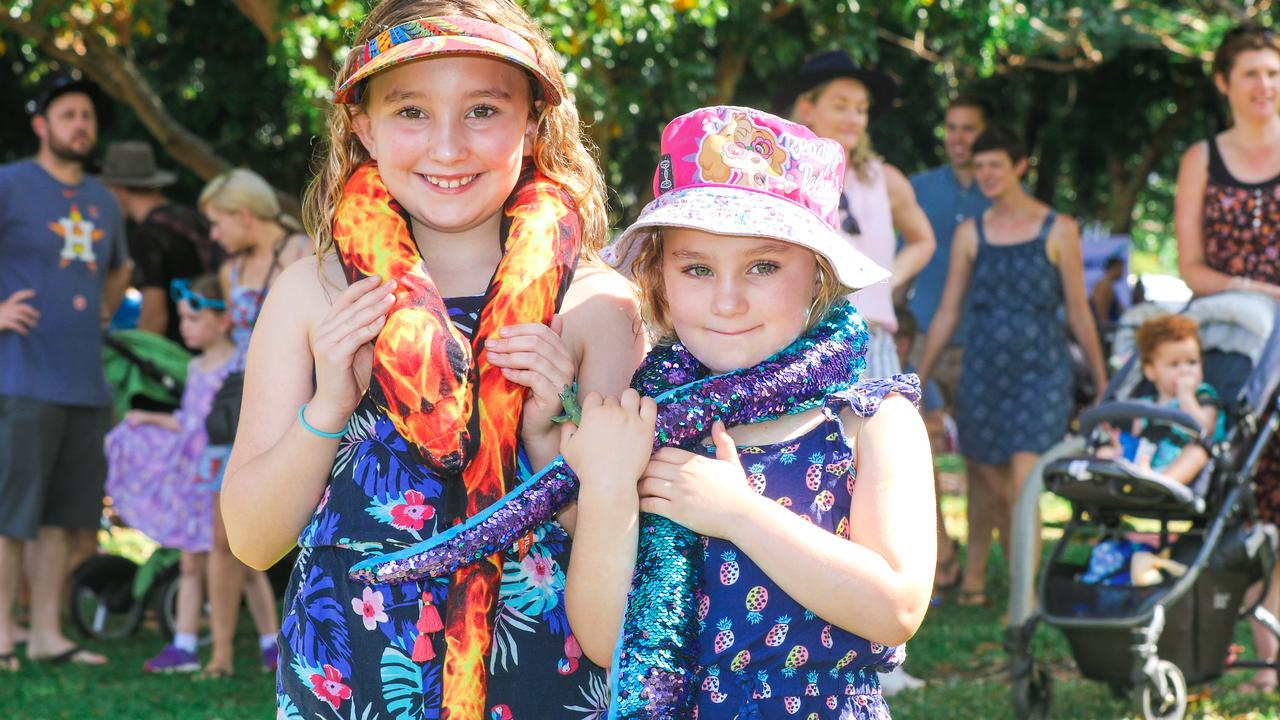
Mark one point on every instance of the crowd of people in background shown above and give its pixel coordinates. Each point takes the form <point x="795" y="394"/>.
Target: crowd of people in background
<point x="986" y="295"/>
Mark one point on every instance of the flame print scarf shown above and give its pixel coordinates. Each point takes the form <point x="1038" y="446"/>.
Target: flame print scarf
<point x="440" y="391"/>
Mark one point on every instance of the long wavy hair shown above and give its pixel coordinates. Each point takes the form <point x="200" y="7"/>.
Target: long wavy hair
<point x="560" y="149"/>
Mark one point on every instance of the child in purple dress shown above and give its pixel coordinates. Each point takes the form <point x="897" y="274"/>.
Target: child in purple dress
<point x="163" y="472"/>
<point x="810" y="580"/>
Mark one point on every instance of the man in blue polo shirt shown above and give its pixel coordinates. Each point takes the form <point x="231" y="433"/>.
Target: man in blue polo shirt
<point x="949" y="196"/>
<point x="63" y="266"/>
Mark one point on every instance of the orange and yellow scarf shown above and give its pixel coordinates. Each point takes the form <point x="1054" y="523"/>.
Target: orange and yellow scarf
<point x="440" y="391"/>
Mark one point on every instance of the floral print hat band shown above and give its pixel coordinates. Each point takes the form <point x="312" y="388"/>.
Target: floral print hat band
<point x="743" y="172"/>
<point x="434" y="36"/>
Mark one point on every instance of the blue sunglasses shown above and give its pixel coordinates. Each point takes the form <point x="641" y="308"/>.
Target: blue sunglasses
<point x="180" y="291"/>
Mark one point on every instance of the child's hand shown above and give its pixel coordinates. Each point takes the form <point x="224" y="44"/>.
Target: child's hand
<point x="614" y="441"/>
<point x="343" y="348"/>
<point x="534" y="355"/>
<point x="705" y="495"/>
<point x="1185" y="385"/>
<point x="146" y="417"/>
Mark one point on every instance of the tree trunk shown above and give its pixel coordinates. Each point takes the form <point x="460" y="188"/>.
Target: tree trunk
<point x="1127" y="186"/>
<point x="265" y="15"/>
<point x="120" y="78"/>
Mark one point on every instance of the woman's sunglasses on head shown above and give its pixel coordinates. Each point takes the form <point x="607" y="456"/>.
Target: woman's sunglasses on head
<point x="180" y="291"/>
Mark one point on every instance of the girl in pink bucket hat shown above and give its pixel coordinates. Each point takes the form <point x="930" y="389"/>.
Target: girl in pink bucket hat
<point x="770" y="566"/>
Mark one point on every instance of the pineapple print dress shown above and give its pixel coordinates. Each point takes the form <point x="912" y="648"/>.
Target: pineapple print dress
<point x="763" y="655"/>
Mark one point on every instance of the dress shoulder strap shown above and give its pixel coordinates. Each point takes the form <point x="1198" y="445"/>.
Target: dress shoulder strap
<point x="982" y="232"/>
<point x="1217" y="167"/>
<point x="1047" y="226"/>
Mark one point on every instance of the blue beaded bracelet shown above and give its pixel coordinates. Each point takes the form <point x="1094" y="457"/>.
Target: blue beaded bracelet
<point x="316" y="431"/>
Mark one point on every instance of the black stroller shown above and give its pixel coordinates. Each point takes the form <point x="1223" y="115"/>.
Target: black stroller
<point x="1149" y="642"/>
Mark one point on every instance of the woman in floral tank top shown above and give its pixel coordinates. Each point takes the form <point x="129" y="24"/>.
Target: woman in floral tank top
<point x="1228" y="223"/>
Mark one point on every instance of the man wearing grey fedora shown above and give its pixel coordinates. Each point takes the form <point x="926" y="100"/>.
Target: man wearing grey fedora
<point x="167" y="241"/>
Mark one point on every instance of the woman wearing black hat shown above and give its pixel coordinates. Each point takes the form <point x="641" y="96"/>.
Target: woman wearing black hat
<point x="835" y="98"/>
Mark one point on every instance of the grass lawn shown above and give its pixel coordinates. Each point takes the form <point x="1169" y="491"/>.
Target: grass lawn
<point x="959" y="650"/>
<point x="121" y="691"/>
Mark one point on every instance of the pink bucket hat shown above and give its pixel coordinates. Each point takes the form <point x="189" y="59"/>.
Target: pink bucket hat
<point x="738" y="171"/>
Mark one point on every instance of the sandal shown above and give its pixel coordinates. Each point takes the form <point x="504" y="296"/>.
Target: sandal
<point x="973" y="598"/>
<point x="74" y="655"/>
<point x="9" y="663"/>
<point x="214" y="672"/>
<point x="1254" y="686"/>
<point x="947" y="575"/>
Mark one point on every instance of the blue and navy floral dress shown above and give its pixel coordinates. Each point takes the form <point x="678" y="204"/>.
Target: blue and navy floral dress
<point x="763" y="655"/>
<point x="345" y="647"/>
<point x="1016" y="389"/>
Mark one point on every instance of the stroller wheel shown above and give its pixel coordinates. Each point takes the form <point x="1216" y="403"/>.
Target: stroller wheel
<point x="102" y="601"/>
<point x="1033" y="693"/>
<point x="1164" y="696"/>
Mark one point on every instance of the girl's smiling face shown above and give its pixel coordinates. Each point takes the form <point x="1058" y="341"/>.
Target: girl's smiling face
<point x="735" y="301"/>
<point x="449" y="135"/>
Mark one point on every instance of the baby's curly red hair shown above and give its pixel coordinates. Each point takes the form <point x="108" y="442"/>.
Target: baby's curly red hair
<point x="1160" y="330"/>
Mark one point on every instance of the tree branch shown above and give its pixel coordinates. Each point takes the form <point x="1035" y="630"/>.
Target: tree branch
<point x="265" y="16"/>
<point x="915" y="47"/>
<point x="120" y="78"/>
<point x="1128" y="185"/>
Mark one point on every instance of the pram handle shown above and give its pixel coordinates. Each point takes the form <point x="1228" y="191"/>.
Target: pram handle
<point x="1129" y="410"/>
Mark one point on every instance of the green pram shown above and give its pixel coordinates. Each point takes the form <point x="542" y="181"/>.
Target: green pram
<point x="140" y="364"/>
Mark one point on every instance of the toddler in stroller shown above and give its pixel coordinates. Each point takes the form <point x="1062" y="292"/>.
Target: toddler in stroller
<point x="1170" y="357"/>
<point x="1180" y="468"/>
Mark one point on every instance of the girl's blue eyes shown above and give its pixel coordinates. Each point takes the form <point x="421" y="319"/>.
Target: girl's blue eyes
<point x="480" y="112"/>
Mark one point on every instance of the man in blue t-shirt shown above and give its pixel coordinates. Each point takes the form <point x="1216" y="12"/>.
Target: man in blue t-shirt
<point x="949" y="196"/>
<point x="63" y="267"/>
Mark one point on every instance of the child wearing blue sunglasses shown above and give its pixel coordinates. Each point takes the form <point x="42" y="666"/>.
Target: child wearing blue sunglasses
<point x="163" y="474"/>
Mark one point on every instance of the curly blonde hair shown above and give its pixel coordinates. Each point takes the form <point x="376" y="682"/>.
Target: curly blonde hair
<point x="560" y="150"/>
<point x="651" y="291"/>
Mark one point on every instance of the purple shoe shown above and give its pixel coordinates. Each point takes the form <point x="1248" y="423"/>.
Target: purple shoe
<point x="270" y="658"/>
<point x="172" y="660"/>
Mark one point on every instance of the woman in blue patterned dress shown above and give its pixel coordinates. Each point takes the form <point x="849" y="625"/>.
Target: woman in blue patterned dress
<point x="1019" y="265"/>
<point x="810" y="581"/>
<point x="444" y="111"/>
